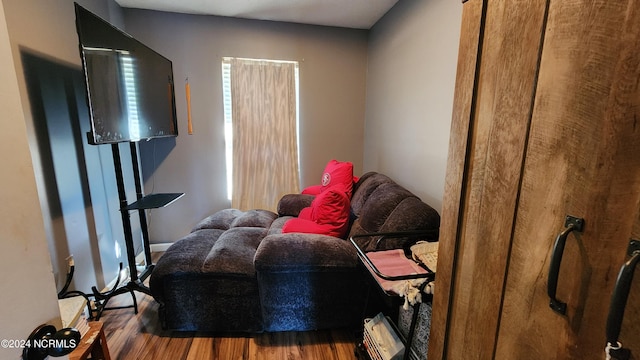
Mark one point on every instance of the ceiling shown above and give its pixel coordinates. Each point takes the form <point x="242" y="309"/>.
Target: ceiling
<point x="358" y="14"/>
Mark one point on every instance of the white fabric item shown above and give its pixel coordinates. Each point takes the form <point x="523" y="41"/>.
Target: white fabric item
<point x="410" y="291"/>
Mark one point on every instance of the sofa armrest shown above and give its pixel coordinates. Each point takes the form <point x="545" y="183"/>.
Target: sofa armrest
<point x="291" y="204"/>
<point x="393" y="240"/>
<point x="294" y="252"/>
<point x="406" y="238"/>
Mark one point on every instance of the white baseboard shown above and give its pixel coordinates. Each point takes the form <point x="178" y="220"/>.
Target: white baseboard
<point x="159" y="247"/>
<point x="139" y="260"/>
<point x="112" y="283"/>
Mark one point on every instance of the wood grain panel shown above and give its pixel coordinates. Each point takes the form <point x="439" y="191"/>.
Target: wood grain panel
<point x="582" y="160"/>
<point x="202" y="348"/>
<point x="635" y="234"/>
<point x="499" y="128"/>
<point x="468" y="57"/>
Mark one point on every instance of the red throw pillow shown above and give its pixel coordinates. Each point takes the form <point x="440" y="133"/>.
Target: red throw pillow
<point x="312" y="190"/>
<point x="327" y="215"/>
<point x="335" y="173"/>
<point x="305" y="213"/>
<point x="307" y="227"/>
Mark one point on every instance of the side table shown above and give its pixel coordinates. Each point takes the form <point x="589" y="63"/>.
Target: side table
<point x="93" y="343"/>
<point x="406" y="271"/>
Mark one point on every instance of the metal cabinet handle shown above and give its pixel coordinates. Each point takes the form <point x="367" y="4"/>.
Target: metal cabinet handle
<point x="571" y="224"/>
<point x="619" y="300"/>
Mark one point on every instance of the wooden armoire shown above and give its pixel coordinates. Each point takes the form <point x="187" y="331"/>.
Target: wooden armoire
<point x="546" y="124"/>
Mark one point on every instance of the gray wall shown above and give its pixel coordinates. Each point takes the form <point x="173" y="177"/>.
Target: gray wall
<point x="28" y="295"/>
<point x="76" y="181"/>
<point x="412" y="57"/>
<point x="408" y="90"/>
<point x="45" y="28"/>
<point x="332" y="103"/>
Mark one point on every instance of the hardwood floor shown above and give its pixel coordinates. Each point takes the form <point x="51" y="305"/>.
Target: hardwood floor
<point x="140" y="336"/>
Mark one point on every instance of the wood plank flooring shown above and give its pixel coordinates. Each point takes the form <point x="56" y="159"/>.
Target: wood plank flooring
<point x="140" y="336"/>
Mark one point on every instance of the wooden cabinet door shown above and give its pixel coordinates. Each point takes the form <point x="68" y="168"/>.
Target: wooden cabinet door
<point x="583" y="159"/>
<point x="551" y="128"/>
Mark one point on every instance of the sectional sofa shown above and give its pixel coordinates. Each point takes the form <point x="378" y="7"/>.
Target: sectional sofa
<point x="238" y="271"/>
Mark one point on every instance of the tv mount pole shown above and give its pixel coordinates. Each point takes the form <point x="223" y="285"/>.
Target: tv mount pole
<point x="143" y="202"/>
<point x="135" y="282"/>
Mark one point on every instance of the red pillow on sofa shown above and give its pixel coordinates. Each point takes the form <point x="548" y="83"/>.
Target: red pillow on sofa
<point x="335" y="173"/>
<point x="327" y="215"/>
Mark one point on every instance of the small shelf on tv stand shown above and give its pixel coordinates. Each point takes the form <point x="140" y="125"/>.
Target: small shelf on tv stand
<point x="153" y="201"/>
<point x="137" y="273"/>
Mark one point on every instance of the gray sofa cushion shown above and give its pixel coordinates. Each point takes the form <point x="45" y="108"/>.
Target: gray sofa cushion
<point x="234" y="251"/>
<point x="382" y="202"/>
<point x="366" y="185"/>
<point x="303" y="252"/>
<point x="220" y="220"/>
<point x="383" y="206"/>
<point x="184" y="256"/>
<point x="291" y="204"/>
<point x="229" y="218"/>
<point x="255" y="218"/>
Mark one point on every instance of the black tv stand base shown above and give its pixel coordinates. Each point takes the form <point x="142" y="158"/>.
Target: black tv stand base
<point x="142" y="203"/>
<point x="138" y="286"/>
<point x="101" y="299"/>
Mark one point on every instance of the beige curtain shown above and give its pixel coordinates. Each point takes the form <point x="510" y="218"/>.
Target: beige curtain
<point x="265" y="150"/>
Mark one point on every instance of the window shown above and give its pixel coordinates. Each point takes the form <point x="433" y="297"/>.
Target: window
<point x="261" y="130"/>
<point x="228" y="132"/>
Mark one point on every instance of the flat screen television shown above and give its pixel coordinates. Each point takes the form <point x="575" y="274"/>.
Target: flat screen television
<point x="130" y="90"/>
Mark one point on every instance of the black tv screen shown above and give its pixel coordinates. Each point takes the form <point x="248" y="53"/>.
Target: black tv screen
<point x="130" y="89"/>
